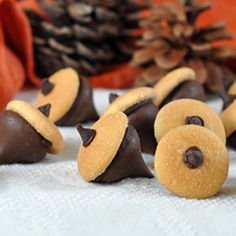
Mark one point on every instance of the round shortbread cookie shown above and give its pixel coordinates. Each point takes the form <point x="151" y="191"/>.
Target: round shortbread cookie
<point x="130" y="99"/>
<point x="94" y="159"/>
<point x="232" y="89"/>
<point x="40" y="123"/>
<point x="170" y="81"/>
<point x="66" y="84"/>
<point x="176" y="113"/>
<point x="228" y="117"/>
<point x="209" y="170"/>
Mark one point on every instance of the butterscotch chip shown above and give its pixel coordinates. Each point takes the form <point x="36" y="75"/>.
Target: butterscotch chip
<point x="192" y="162"/>
<point x="60" y="90"/>
<point x="94" y="159"/>
<point x="130" y="99"/>
<point x="169" y="82"/>
<point x="228" y="118"/>
<point x="40" y="123"/>
<point x="184" y="112"/>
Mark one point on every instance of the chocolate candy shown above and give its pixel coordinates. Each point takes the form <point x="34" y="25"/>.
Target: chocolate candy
<point x="21" y="139"/>
<point x="111" y="151"/>
<point x="228" y="117"/>
<point x="194" y="120"/>
<point x="138" y="105"/>
<point x="193" y="157"/>
<point x="177" y="84"/>
<point x="71" y="98"/>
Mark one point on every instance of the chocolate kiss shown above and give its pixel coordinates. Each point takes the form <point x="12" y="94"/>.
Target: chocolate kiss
<point x="19" y="141"/>
<point x="45" y="109"/>
<point x="113" y="97"/>
<point x="87" y="135"/>
<point x="128" y="162"/>
<point x="193" y="157"/>
<point x="46" y="86"/>
<point x="194" y="120"/>
<point x="227" y="99"/>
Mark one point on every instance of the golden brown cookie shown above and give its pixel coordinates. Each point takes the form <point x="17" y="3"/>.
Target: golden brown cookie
<point x="40" y="123"/>
<point x="110" y="151"/>
<point x="129" y="99"/>
<point x="185" y="112"/>
<point x="191" y="161"/>
<point x="179" y="83"/>
<point x="138" y="105"/>
<point x="70" y="96"/>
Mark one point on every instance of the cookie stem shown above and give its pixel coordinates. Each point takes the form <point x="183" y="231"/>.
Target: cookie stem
<point x="45" y="109"/>
<point x="87" y="135"/>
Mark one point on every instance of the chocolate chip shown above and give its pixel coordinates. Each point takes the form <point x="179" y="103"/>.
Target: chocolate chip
<point x="193" y="157"/>
<point x="227" y="99"/>
<point x="45" y="109"/>
<point x="113" y="97"/>
<point x="87" y="135"/>
<point x="46" y="86"/>
<point x="194" y="120"/>
<point x="46" y="143"/>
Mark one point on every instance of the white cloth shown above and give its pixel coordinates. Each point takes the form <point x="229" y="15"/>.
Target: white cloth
<point x="50" y="198"/>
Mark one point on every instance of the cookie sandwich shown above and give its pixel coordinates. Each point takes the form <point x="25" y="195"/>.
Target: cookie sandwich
<point x="111" y="151"/>
<point x="26" y="134"/>
<point x="138" y="105"/>
<point x="177" y="84"/>
<point x="192" y="162"/>
<point x="187" y="112"/>
<point x="70" y="96"/>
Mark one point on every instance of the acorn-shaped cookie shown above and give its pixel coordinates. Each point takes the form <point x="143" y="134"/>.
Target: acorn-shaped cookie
<point x="228" y="117"/>
<point x="26" y="134"/>
<point x="138" y="105"/>
<point x="192" y="162"/>
<point x="111" y="151"/>
<point x="186" y="112"/>
<point x="177" y="84"/>
<point x="71" y="98"/>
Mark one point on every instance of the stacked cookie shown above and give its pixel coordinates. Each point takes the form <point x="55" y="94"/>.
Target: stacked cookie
<point x="186" y="137"/>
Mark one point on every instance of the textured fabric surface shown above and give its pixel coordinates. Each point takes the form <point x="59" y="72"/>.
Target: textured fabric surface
<point x="50" y="198"/>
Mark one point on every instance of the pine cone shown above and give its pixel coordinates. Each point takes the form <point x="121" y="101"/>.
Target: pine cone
<point x="87" y="35"/>
<point x="172" y="39"/>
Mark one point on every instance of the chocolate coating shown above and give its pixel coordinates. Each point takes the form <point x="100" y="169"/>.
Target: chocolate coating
<point x="188" y="89"/>
<point x="87" y="135"/>
<point x="193" y="158"/>
<point x="128" y="162"/>
<point x="194" y="120"/>
<point x="227" y="99"/>
<point x="19" y="141"/>
<point x="46" y="86"/>
<point x="231" y="140"/>
<point x="142" y="117"/>
<point x="83" y="109"/>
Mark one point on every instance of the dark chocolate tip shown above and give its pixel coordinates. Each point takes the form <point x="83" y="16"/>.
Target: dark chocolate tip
<point x="87" y="135"/>
<point x="46" y="143"/>
<point x="227" y="99"/>
<point x="193" y="157"/>
<point x="46" y="86"/>
<point x="45" y="109"/>
<point x="113" y="97"/>
<point x="194" y="120"/>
